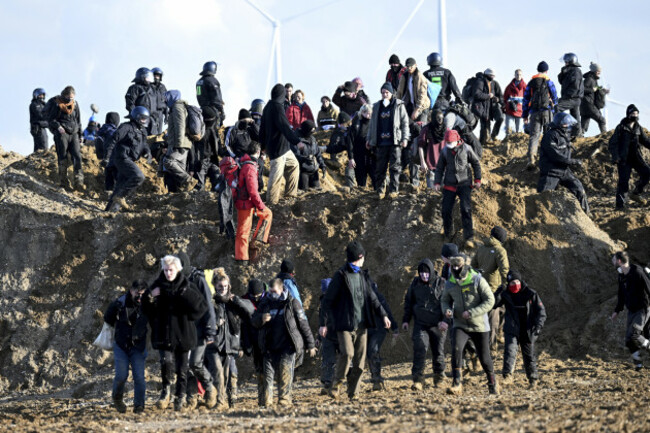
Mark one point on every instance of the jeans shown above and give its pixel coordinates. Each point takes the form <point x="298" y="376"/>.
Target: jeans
<point x="464" y="193"/>
<point x="175" y="362"/>
<point x="197" y="366"/>
<point x="539" y="121"/>
<point x="123" y="359"/>
<point x="512" y="119"/>
<point x="218" y="366"/>
<point x="283" y="363"/>
<point x="527" y="352"/>
<point x="422" y="337"/>
<point x="376" y="337"/>
<point x="329" y="347"/>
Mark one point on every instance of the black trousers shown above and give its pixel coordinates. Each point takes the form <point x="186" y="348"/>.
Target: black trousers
<point x="66" y="143"/>
<point x="308" y="180"/>
<point x="40" y="138"/>
<point x="388" y="156"/>
<point x="376" y="337"/>
<point x="481" y="341"/>
<point x="206" y="169"/>
<point x="128" y="179"/>
<point x="464" y="194"/>
<point x="175" y="362"/>
<point x="590" y="112"/>
<point x="624" y="174"/>
<point x="567" y="180"/>
<point x="527" y="352"/>
<point x="422" y="338"/>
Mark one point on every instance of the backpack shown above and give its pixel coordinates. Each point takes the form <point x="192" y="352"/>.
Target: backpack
<point x="468" y="90"/>
<point x="194" y="125"/>
<point x="599" y="98"/>
<point x="540" y="97"/>
<point x="230" y="169"/>
<point x="463" y="111"/>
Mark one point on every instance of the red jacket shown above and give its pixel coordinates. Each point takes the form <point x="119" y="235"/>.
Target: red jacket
<point x="248" y="196"/>
<point x="514" y="91"/>
<point x="297" y="114"/>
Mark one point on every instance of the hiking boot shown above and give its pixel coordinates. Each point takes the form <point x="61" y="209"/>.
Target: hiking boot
<point x="222" y="406"/>
<point x="138" y="409"/>
<point x="165" y="397"/>
<point x="63" y="177"/>
<point x="324" y="390"/>
<point x="210" y="396"/>
<point x="469" y="243"/>
<point x="232" y="394"/>
<point x="378" y="386"/>
<point x="508" y="378"/>
<point x="118" y="404"/>
<point x="179" y="403"/>
<point x="393" y="195"/>
<point x="438" y="379"/>
<point x="334" y="391"/>
<point x="417" y="386"/>
<point x="353" y="397"/>
<point x="533" y="383"/>
<point x="493" y="388"/>
<point x="79" y="180"/>
<point x="456" y="387"/>
<point x="380" y="195"/>
<point x="192" y="402"/>
<point x="634" y="196"/>
<point x="189" y="185"/>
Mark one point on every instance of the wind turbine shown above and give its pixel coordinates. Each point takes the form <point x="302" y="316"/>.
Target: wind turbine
<point x="275" y="55"/>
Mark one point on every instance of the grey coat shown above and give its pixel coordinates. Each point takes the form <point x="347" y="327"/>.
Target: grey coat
<point x="401" y="130"/>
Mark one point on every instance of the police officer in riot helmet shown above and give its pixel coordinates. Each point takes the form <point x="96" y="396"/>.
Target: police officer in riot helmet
<point x="142" y="94"/>
<point x="208" y="91"/>
<point x="444" y="78"/>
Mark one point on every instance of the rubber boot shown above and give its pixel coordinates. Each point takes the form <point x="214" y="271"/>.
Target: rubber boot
<point x="63" y="175"/>
<point x="179" y="403"/>
<point x="210" y="396"/>
<point x="456" y="387"/>
<point x="165" y="397"/>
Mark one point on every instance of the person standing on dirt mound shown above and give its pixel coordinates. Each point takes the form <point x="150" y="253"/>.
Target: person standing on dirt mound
<point x="351" y="306"/>
<point x="467" y="299"/>
<point x="492" y="260"/>
<point x="142" y="94"/>
<point x="249" y="203"/>
<point x="388" y="134"/>
<point x="123" y="149"/>
<point x="288" y="276"/>
<point x="257" y="289"/>
<point x="453" y="175"/>
<point x="208" y="91"/>
<point x="376" y="337"/>
<point x="513" y="99"/>
<point x="276" y="137"/>
<point x="64" y="120"/>
<point x="572" y="92"/>
<point x="524" y="319"/>
<point x="430" y="142"/>
<point x="625" y="147"/>
<point x="284" y="333"/>
<point x="487" y="98"/>
<point x="422" y="303"/>
<point x="329" y="345"/>
<point x="159" y="90"/>
<point x="555" y="160"/>
<point x="175" y="305"/>
<point x="540" y="98"/>
<point x="179" y="145"/>
<point x="443" y="78"/>
<point x="38" y="120"/>
<point x="594" y="99"/>
<point x="633" y="294"/>
<point x="127" y="316"/>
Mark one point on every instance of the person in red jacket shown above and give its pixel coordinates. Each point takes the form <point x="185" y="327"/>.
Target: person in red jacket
<point x="299" y="111"/>
<point x="513" y="97"/>
<point x="249" y="203"/>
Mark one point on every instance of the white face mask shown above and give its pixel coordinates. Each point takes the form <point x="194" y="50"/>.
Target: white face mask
<point x="452" y="144"/>
<point x="386" y="102"/>
<point x="619" y="270"/>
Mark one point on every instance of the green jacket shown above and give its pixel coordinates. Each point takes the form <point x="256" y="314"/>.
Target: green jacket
<point x="177" y="124"/>
<point x="473" y="294"/>
<point x="492" y="260"/>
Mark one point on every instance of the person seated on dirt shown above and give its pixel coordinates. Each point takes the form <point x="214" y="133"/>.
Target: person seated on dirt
<point x="206" y="331"/>
<point x="625" y="148"/>
<point x="256" y="291"/>
<point x="387" y="138"/>
<point x="123" y="149"/>
<point x="633" y="294"/>
<point x="422" y="304"/>
<point x="142" y="94"/>
<point x="127" y="316"/>
<point x="257" y="106"/>
<point x="179" y="145"/>
<point x="466" y="299"/>
<point x="327" y="115"/>
<point x="351" y="308"/>
<point x="376" y="337"/>
<point x="445" y="79"/>
<point x="345" y="97"/>
<point x="364" y="161"/>
<point x="555" y="160"/>
<point x="540" y="98"/>
<point x="206" y="151"/>
<point x="249" y="203"/>
<point x="329" y="345"/>
<point x="220" y="355"/>
<point x="64" y="120"/>
<point x="430" y="143"/>
<point x="492" y="259"/>
<point x="284" y="332"/>
<point x="299" y="110"/>
<point x="38" y="120"/>
<point x="524" y="319"/>
<point x="288" y="276"/>
<point x="175" y="305"/>
<point x="453" y="176"/>
<point x="309" y="157"/>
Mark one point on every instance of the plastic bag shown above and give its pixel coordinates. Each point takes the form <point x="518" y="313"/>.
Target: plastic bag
<point x="106" y="337"/>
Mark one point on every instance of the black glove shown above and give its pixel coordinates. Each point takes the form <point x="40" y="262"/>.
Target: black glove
<point x="103" y="163"/>
<point x="536" y="331"/>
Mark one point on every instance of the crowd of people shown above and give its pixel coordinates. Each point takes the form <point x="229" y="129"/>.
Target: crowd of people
<point x="422" y="128"/>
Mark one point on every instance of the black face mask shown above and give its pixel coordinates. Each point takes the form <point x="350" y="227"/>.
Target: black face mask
<point x="459" y="273"/>
<point x="396" y="68"/>
<point x="489" y="77"/>
<point x="66" y="99"/>
<point x="634" y="118"/>
<point x="242" y="125"/>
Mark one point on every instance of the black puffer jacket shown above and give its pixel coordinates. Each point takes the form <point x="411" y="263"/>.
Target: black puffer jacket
<point x="57" y="117"/>
<point x="338" y="304"/>
<point x="481" y="96"/>
<point x="141" y="95"/>
<point x="130" y="322"/>
<point x="37" y="114"/>
<point x="128" y="142"/>
<point x="570" y="77"/>
<point x="625" y="144"/>
<point x="454" y="165"/>
<point x="555" y="152"/>
<point x="633" y="290"/>
<point x="422" y="300"/>
<point x="527" y="299"/>
<point x="309" y="157"/>
<point x="172" y="313"/>
<point x="276" y="134"/>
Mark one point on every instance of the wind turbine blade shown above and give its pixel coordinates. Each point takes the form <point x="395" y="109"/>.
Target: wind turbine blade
<point x="269" y="74"/>
<point x="278" y="55"/>
<point x="382" y="61"/>
<point x="262" y="11"/>
<point x="293" y="17"/>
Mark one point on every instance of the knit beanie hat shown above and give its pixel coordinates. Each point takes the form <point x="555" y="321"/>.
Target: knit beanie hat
<point x="542" y="66"/>
<point x="354" y="251"/>
<point x="594" y="67"/>
<point x="287" y="266"/>
<point x="306" y="128"/>
<point x="343" y="118"/>
<point x="449" y="250"/>
<point x="255" y="287"/>
<point x="389" y="87"/>
<point x="244" y="114"/>
<point x="499" y="233"/>
<point x="513" y="274"/>
<point x="394" y="60"/>
<point x="630" y="109"/>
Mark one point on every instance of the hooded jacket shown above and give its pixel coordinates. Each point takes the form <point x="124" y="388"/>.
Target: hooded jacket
<point x="570" y="78"/>
<point x="625" y="144"/>
<point x="248" y="195"/>
<point x="401" y="130"/>
<point x="309" y="157"/>
<point x="420" y="91"/>
<point x="229" y="315"/>
<point x="276" y="134"/>
<point x="492" y="260"/>
<point x="481" y="101"/>
<point x="176" y="135"/>
<point x="422" y="300"/>
<point x="514" y="92"/>
<point x="130" y="322"/>
<point x="453" y="169"/>
<point x="472" y="294"/>
<point x="555" y="152"/>
<point x="527" y="299"/>
<point x="206" y="326"/>
<point x="128" y="142"/>
<point x="105" y="133"/>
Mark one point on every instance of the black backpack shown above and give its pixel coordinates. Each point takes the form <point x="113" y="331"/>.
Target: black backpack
<point x="540" y="96"/>
<point x="599" y="98"/>
<point x="195" y="126"/>
<point x="468" y="90"/>
<point x="465" y="113"/>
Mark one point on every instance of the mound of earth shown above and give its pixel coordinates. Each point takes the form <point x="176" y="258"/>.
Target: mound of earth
<point x="64" y="260"/>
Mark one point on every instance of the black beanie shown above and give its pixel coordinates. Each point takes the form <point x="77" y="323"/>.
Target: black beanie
<point x="542" y="66"/>
<point x="394" y="60"/>
<point x="255" y="287"/>
<point x="343" y="118"/>
<point x="630" y="109"/>
<point x="389" y="87"/>
<point x="449" y="251"/>
<point x="287" y="266"/>
<point x="307" y="127"/>
<point x="278" y="91"/>
<point x="244" y="114"/>
<point x="354" y="251"/>
<point x="513" y="274"/>
<point x="499" y="233"/>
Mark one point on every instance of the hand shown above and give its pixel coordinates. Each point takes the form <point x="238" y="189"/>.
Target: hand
<point x="466" y="315"/>
<point x="322" y="331"/>
<point x="477" y="185"/>
<point x="208" y="342"/>
<point x="414" y="115"/>
<point x="404" y="143"/>
<point x="266" y="317"/>
<point x="368" y="145"/>
<point x="436" y="187"/>
<point x="575" y="163"/>
<point x="423" y="168"/>
<point x="155" y="292"/>
<point x="526" y="120"/>
<point x="614" y="316"/>
<point x="536" y="331"/>
<point x="311" y="352"/>
<point x="240" y="354"/>
<point x="352" y="163"/>
<point x="61" y="130"/>
<point x="443" y="326"/>
<point x="491" y="95"/>
<point x="103" y="163"/>
<point x="405" y="326"/>
<point x="449" y="314"/>
<point x="386" y="322"/>
<point x="301" y="145"/>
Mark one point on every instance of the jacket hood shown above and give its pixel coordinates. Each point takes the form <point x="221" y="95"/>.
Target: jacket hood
<point x="171" y="96"/>
<point x="543" y="75"/>
<point x="113" y="118"/>
<point x="278" y="93"/>
<point x="185" y="261"/>
<point x="426" y="263"/>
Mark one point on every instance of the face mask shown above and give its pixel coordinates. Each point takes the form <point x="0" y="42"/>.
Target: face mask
<point x="241" y="125"/>
<point x="514" y="286"/>
<point x="395" y="68"/>
<point x="386" y="102"/>
<point x="452" y="144"/>
<point x="275" y="296"/>
<point x="489" y="77"/>
<point x="457" y="272"/>
<point x="424" y="276"/>
<point x="634" y="118"/>
<point x="619" y="270"/>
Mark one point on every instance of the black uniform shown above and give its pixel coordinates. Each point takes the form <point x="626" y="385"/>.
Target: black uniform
<point x="162" y="111"/>
<point x="570" y="78"/>
<point x="125" y="147"/>
<point x="625" y="147"/>
<point x="208" y="93"/>
<point x="555" y="162"/>
<point x="448" y="86"/>
<point x="142" y="94"/>
<point x="38" y="124"/>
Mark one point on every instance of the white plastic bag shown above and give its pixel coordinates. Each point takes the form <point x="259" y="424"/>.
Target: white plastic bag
<point x="105" y="338"/>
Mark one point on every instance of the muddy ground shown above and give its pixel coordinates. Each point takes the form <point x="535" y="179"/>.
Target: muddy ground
<point x="64" y="259"/>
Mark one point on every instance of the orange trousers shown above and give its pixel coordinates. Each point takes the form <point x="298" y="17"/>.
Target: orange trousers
<point x="244" y="224"/>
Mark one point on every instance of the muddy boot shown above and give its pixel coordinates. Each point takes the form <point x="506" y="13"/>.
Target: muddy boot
<point x="189" y="185"/>
<point x="335" y="390"/>
<point x="533" y="383"/>
<point x="79" y="180"/>
<point x="469" y="243"/>
<point x="115" y="204"/>
<point x="192" y="402"/>
<point x="635" y="196"/>
<point x="63" y="176"/>
<point x="165" y="397"/>
<point x="138" y="409"/>
<point x="179" y="403"/>
<point x="438" y="379"/>
<point x="508" y="378"/>
<point x="210" y="396"/>
<point x="118" y="404"/>
<point x="378" y="386"/>
<point x="418" y="384"/>
<point x="493" y="386"/>
<point x="456" y="387"/>
<point x="232" y="395"/>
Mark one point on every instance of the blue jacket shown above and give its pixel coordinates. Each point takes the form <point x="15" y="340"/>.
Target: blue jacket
<point x="527" y="94"/>
<point x="291" y="286"/>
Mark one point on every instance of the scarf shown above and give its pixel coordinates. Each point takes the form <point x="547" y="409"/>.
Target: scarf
<point x="66" y="107"/>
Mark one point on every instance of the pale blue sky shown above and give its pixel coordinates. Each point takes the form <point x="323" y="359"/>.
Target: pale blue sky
<point x="97" y="46"/>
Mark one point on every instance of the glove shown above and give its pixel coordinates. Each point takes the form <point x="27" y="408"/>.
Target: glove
<point x="103" y="163"/>
<point x="575" y="162"/>
<point x="536" y="331"/>
<point x="149" y="158"/>
<point x="324" y="173"/>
